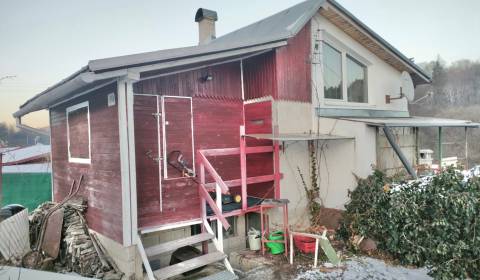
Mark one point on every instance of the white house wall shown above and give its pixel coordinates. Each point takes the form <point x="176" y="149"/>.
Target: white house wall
<point x="382" y="78"/>
<point x="342" y="160"/>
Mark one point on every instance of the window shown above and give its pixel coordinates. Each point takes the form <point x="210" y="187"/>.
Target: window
<point x="78" y="133"/>
<point x="356" y="78"/>
<point x="332" y="72"/>
<point x="345" y="73"/>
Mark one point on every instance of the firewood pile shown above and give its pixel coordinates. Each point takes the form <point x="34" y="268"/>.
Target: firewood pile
<point x="80" y="252"/>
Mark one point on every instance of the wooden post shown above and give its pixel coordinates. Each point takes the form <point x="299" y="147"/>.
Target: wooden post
<point x="1" y="190"/>
<point x="291" y="248"/>
<point x="218" y="198"/>
<point x="440" y="148"/>
<point x="276" y="164"/>
<point x="466" y="147"/>
<point x="203" y="208"/>
<point x="243" y="167"/>
<point x="416" y="146"/>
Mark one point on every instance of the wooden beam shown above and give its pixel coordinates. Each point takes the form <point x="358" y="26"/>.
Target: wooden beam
<point x="203" y="193"/>
<point x="238" y="182"/>
<point x="236" y="151"/>
<point x="440" y="152"/>
<point x="243" y="167"/>
<point x="1" y="190"/>
<point x="466" y="148"/>
<point x="213" y="172"/>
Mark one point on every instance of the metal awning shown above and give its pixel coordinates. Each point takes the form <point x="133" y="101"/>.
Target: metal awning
<point x="414" y="122"/>
<point x="298" y="137"/>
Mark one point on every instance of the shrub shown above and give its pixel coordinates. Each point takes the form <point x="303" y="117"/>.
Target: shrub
<point x="432" y="224"/>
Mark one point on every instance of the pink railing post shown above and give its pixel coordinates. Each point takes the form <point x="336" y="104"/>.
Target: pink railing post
<point x="243" y="167"/>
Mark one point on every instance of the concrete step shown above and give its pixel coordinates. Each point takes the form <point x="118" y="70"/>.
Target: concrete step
<point x="188" y="265"/>
<point x="222" y="275"/>
<point x="175" y="244"/>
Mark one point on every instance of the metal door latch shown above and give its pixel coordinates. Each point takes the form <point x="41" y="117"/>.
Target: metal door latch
<point x="149" y="155"/>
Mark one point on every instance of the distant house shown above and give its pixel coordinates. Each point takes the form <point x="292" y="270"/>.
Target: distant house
<point x="156" y="134"/>
<point x="26" y="175"/>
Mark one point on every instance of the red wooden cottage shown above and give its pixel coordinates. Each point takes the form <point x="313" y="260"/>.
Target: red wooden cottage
<point x="160" y="135"/>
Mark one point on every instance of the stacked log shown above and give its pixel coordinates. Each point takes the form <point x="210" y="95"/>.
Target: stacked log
<point x="80" y="251"/>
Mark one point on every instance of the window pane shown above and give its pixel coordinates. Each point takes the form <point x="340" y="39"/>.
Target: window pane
<point x="78" y="133"/>
<point x="332" y="72"/>
<point x="357" y="84"/>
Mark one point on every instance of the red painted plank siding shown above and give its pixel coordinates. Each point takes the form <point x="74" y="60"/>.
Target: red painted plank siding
<point x="258" y="120"/>
<point x="259" y="76"/>
<point x="225" y="85"/>
<point x="178" y="131"/>
<point x="102" y="182"/>
<point x="294" y="68"/>
<point x="216" y="125"/>
<point x="146" y="149"/>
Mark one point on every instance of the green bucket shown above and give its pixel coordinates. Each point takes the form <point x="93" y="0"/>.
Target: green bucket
<point x="276" y="247"/>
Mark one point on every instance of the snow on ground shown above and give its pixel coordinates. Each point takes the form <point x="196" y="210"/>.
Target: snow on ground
<point x="366" y="268"/>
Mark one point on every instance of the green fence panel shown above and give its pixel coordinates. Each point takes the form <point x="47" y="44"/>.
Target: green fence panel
<point x="27" y="189"/>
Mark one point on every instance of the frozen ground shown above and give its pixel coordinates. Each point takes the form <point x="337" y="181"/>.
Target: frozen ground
<point x="355" y="268"/>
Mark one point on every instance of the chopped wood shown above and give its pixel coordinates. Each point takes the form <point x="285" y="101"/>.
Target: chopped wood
<point x="80" y="251"/>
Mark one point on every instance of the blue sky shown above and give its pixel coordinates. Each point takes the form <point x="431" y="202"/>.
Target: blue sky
<point x="42" y="42"/>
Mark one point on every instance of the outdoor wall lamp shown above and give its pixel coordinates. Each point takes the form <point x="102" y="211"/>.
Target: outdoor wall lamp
<point x="207" y="77"/>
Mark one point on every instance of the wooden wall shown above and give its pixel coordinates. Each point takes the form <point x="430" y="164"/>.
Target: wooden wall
<point x="225" y="83"/>
<point x="284" y="74"/>
<point x="259" y="76"/>
<point x="293" y="66"/>
<point x="102" y="182"/>
<point x="216" y="125"/>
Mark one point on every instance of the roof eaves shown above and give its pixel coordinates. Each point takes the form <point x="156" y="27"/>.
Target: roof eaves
<point x="65" y="80"/>
<point x="387" y="45"/>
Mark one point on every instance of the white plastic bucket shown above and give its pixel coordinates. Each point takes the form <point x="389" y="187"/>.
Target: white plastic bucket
<point x="254" y="240"/>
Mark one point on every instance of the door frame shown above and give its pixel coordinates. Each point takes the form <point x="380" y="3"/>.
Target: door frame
<point x="164" y="134"/>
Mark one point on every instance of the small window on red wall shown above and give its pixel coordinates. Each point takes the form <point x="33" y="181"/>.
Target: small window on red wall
<point x="78" y="133"/>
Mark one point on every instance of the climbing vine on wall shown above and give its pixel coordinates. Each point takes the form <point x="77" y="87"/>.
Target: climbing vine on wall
<point x="313" y="192"/>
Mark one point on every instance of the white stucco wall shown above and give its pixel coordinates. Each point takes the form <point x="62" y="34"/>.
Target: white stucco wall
<point x="382" y="78"/>
<point x="340" y="160"/>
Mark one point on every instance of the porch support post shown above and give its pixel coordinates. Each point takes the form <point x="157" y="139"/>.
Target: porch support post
<point x="440" y="152"/>
<point x="203" y="208"/>
<point x="276" y="164"/>
<point x="243" y="167"/>
<point x="127" y="159"/>
<point x="466" y="147"/>
<point x="1" y="190"/>
<point x="398" y="151"/>
<point x="417" y="143"/>
<point x="219" y="222"/>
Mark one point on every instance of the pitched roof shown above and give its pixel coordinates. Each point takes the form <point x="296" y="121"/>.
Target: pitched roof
<point x="261" y="34"/>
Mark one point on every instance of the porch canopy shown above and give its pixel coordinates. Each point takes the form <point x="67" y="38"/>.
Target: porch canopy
<point x="416" y="122"/>
<point x="298" y="137"/>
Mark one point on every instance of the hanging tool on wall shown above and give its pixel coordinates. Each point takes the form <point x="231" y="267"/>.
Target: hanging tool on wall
<point x="177" y="161"/>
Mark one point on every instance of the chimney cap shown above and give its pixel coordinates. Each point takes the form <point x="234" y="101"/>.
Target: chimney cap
<point x="205" y="14"/>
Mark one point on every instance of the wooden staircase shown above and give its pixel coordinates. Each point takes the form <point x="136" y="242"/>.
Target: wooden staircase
<point x="152" y="252"/>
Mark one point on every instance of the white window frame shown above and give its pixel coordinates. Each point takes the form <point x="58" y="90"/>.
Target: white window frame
<point x="345" y="51"/>
<point x="67" y="112"/>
